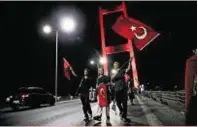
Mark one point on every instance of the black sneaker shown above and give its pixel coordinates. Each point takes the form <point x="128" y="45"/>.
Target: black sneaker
<point x="97" y="118"/>
<point x="125" y="119"/>
<point x="86" y="119"/>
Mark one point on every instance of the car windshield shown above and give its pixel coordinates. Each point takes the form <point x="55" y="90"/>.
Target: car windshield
<point x="28" y="90"/>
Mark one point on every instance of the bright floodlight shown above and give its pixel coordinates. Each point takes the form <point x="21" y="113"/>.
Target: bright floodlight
<point x="47" y="29"/>
<point x="92" y="62"/>
<point x="68" y="24"/>
<point x="103" y="60"/>
<point x="113" y="71"/>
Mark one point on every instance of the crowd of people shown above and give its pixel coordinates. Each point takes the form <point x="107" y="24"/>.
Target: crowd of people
<point x="116" y="89"/>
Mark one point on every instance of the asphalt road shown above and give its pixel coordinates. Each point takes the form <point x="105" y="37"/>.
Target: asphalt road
<point x="144" y="112"/>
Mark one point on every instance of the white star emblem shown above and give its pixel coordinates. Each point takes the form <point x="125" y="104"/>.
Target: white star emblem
<point x="133" y="28"/>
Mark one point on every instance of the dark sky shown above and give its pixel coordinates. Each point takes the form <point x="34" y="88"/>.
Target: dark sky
<point x="28" y="58"/>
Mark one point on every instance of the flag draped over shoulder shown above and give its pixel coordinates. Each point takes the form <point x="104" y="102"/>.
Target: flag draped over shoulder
<point x="132" y="29"/>
<point x="102" y="95"/>
<point x="66" y="69"/>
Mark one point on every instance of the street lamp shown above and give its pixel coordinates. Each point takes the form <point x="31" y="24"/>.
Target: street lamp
<point x="92" y="62"/>
<point x="98" y="62"/>
<point x="67" y="25"/>
<point x="47" y="29"/>
<point x="103" y="60"/>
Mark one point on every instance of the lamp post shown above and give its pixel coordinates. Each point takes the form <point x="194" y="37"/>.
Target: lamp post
<point x="99" y="62"/>
<point x="67" y="25"/>
<point x="56" y="68"/>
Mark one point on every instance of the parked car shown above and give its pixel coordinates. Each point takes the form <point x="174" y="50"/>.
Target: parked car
<point x="30" y="96"/>
<point x="92" y="95"/>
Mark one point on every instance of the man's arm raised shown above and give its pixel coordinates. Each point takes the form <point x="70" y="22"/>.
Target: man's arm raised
<point x="129" y="65"/>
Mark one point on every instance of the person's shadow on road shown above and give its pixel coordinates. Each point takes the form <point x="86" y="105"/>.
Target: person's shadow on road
<point x="132" y="123"/>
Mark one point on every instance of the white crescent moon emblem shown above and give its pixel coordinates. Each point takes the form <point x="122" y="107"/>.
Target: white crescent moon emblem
<point x="102" y="92"/>
<point x="140" y="37"/>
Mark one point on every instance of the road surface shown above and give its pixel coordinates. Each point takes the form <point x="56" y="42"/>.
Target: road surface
<point x="144" y="112"/>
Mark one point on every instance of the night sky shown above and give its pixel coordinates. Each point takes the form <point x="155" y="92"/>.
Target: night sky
<point x="28" y="57"/>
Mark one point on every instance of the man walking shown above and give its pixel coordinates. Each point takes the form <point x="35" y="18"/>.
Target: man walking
<point x="120" y="89"/>
<point x="84" y="86"/>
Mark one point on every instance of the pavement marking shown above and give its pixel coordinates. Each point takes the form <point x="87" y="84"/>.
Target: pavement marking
<point x="151" y="118"/>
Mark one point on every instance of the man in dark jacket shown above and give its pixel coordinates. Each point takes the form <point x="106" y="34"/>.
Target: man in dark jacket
<point x="120" y="89"/>
<point x="83" y="90"/>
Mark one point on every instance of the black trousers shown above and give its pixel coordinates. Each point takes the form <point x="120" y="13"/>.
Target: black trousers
<point x="121" y="100"/>
<point x="85" y="105"/>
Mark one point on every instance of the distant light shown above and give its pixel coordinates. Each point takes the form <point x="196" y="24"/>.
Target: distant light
<point x="113" y="71"/>
<point x="47" y="29"/>
<point x="92" y="62"/>
<point x="68" y="24"/>
<point x="195" y="51"/>
<point x="103" y="60"/>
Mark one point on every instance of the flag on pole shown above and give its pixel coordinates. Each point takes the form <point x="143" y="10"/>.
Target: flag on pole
<point x="66" y="69"/>
<point x="132" y="29"/>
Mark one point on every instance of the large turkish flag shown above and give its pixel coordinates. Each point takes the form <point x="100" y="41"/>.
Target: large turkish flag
<point x="132" y="29"/>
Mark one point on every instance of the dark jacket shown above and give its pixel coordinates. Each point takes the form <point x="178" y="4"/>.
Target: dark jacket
<point x="85" y="85"/>
<point x="119" y="81"/>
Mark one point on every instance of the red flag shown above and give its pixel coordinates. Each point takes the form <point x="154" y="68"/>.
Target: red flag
<point x="102" y="95"/>
<point x="130" y="28"/>
<point x="127" y="77"/>
<point x="66" y="69"/>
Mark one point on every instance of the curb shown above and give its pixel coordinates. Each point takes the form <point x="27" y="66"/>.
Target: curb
<point x="60" y="102"/>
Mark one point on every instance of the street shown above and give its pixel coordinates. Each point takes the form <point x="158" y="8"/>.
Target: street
<point x="144" y="112"/>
